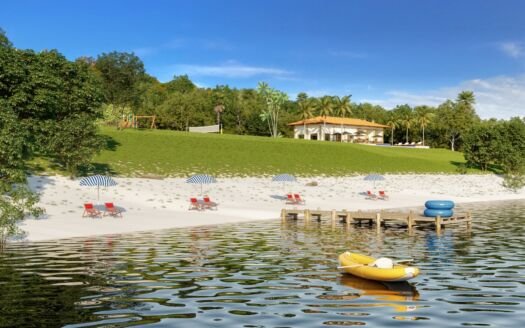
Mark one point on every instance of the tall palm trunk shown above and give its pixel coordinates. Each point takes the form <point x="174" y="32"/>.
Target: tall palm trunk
<point x="423" y="135"/>
<point x="407" y="136"/>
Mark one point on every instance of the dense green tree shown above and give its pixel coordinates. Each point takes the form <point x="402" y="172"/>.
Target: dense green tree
<point x="500" y="143"/>
<point x="73" y="142"/>
<point x="4" y="41"/>
<point x="43" y="98"/>
<point x="481" y="143"/>
<point x="455" y="119"/>
<point x="181" y="83"/>
<point x="511" y="151"/>
<point x="121" y="75"/>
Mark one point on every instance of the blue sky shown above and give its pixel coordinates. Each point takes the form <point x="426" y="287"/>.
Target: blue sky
<point x="384" y="52"/>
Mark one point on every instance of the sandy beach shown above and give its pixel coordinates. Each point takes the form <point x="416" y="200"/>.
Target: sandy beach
<point x="151" y="204"/>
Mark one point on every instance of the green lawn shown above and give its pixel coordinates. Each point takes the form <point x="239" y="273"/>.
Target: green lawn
<point x="159" y="152"/>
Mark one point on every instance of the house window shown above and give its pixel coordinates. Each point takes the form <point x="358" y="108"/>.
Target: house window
<point x="313" y="136"/>
<point x="327" y="137"/>
<point x="301" y="136"/>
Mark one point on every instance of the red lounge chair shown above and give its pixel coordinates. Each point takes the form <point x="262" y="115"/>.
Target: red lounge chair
<point x="290" y="199"/>
<point x="194" y="204"/>
<point x="207" y="203"/>
<point x="90" y="211"/>
<point x="298" y="199"/>
<point x="112" y="210"/>
<point x="371" y="195"/>
<point x="383" y="195"/>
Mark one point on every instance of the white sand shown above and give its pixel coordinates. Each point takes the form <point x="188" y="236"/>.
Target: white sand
<point x="159" y="204"/>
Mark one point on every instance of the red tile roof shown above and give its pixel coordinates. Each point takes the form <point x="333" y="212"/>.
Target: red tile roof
<point x="338" y="121"/>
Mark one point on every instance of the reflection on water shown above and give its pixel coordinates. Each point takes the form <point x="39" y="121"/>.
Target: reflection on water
<point x="263" y="274"/>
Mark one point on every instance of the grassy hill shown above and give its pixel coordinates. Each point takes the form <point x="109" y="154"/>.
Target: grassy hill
<point x="158" y="152"/>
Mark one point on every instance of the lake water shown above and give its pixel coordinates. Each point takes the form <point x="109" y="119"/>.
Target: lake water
<point x="263" y="274"/>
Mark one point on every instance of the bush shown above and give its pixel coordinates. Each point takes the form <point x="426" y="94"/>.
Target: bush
<point x="514" y="181"/>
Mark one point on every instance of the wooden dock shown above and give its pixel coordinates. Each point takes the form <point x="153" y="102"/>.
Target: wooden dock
<point x="377" y="218"/>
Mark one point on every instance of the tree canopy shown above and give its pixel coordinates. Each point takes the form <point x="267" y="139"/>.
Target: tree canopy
<point x="48" y="106"/>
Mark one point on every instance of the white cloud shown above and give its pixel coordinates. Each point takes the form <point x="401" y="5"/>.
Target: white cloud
<point x="512" y="49"/>
<point x="231" y="70"/>
<point x="499" y="97"/>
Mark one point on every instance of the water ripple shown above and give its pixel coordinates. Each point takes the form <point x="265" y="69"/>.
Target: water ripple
<point x="264" y="274"/>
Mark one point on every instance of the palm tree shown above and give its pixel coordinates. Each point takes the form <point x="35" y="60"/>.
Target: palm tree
<point x="306" y="109"/>
<point x="263" y="88"/>
<point x="343" y="105"/>
<point x="325" y="109"/>
<point x="393" y="123"/>
<point x="466" y="98"/>
<point x="423" y="118"/>
<point x="407" y="120"/>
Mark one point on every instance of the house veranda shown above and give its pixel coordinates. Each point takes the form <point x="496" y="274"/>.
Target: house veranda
<point x="339" y="129"/>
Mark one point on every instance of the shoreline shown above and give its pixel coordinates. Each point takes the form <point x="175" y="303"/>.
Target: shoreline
<point x="152" y="204"/>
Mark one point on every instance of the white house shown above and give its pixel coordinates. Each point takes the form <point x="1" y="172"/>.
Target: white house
<point x="339" y="129"/>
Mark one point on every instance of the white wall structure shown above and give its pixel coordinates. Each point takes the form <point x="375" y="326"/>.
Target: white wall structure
<point x="339" y="129"/>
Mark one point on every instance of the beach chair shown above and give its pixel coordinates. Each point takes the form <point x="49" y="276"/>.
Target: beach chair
<point x="290" y="199"/>
<point x="207" y="203"/>
<point x="90" y="211"/>
<point x="195" y="205"/>
<point x="298" y="199"/>
<point x="371" y="195"/>
<point x="111" y="209"/>
<point x="383" y="195"/>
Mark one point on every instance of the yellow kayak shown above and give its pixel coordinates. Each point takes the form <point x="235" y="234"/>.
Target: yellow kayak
<point x="364" y="266"/>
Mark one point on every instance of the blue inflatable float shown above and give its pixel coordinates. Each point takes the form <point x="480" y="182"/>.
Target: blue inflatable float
<point x="441" y="208"/>
<point x="429" y="212"/>
<point x="439" y="204"/>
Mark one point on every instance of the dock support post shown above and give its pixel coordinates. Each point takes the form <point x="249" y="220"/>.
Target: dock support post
<point x="306" y="217"/>
<point x="378" y="223"/>
<point x="283" y="215"/>
<point x="347" y="220"/>
<point x="333" y="217"/>
<point x="438" y="224"/>
<point x="410" y="222"/>
<point x="469" y="220"/>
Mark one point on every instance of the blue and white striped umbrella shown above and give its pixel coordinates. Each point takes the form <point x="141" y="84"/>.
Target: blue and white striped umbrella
<point x="201" y="179"/>
<point x="98" y="180"/>
<point x="284" y="178"/>
<point x="374" y="177"/>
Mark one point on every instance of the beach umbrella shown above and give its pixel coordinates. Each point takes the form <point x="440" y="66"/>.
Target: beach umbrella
<point x="284" y="178"/>
<point x="201" y="179"/>
<point x="98" y="180"/>
<point x="374" y="177"/>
